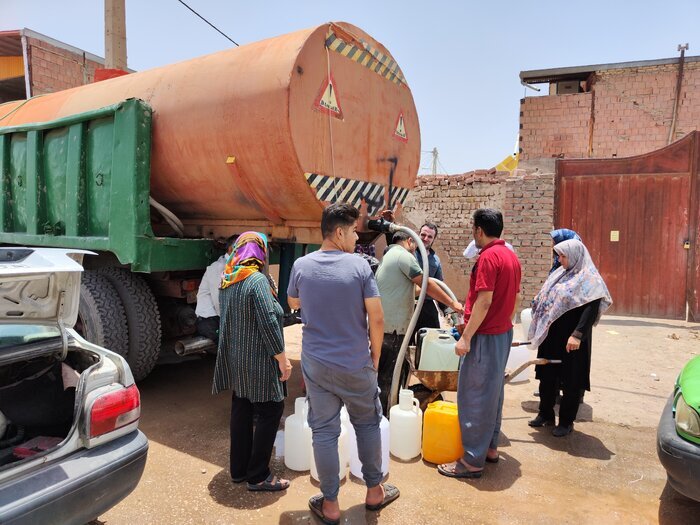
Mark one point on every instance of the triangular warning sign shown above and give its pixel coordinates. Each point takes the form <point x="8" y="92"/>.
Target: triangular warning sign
<point x="328" y="100"/>
<point x="400" y="130"/>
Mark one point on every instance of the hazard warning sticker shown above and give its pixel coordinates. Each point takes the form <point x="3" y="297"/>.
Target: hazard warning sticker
<point x="400" y="129"/>
<point x="328" y="100"/>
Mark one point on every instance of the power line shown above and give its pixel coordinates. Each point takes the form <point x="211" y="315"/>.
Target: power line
<point x="208" y="22"/>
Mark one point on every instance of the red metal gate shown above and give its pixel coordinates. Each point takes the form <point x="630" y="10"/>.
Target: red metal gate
<point x="638" y="216"/>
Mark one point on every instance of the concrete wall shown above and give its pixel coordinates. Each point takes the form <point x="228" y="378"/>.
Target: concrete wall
<point x="526" y="201"/>
<point x="627" y="112"/>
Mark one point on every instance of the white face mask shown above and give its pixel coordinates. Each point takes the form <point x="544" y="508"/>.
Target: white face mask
<point x="471" y="251"/>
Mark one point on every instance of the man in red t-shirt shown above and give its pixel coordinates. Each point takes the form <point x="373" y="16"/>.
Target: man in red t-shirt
<point x="494" y="291"/>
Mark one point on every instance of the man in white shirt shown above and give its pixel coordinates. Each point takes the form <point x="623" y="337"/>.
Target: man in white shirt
<point x="207" y="310"/>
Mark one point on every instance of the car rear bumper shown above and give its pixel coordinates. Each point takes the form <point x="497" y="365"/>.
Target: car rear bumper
<point x="78" y="488"/>
<point x="680" y="458"/>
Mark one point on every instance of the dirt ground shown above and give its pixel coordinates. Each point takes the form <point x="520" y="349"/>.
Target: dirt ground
<point x="607" y="471"/>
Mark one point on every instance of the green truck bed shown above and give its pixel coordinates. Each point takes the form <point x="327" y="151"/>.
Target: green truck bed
<point x="84" y="182"/>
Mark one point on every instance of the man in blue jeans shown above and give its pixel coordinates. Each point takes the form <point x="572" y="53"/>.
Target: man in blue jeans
<point x="338" y="297"/>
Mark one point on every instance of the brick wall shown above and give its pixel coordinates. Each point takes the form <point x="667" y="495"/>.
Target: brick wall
<point x="527" y="203"/>
<point x="53" y="68"/>
<point x="550" y="126"/>
<point x="627" y="112"/>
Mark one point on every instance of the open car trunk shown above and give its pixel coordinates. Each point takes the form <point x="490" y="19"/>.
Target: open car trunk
<point x="38" y="408"/>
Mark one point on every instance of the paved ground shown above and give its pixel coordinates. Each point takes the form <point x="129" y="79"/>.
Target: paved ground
<point x="605" y="472"/>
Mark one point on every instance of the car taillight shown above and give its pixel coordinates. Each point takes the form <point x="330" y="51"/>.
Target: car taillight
<point x="114" y="410"/>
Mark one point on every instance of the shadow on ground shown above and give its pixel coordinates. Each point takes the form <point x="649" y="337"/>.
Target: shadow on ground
<point x="356" y="515"/>
<point x="198" y="422"/>
<point x="585" y="411"/>
<point x="575" y="444"/>
<point x="675" y="508"/>
<point x="644" y="322"/>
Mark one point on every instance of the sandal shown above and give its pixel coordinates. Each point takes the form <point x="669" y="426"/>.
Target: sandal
<point x="492" y="459"/>
<point x="458" y="469"/>
<point x="271" y="484"/>
<point x="316" y="506"/>
<point x="391" y="493"/>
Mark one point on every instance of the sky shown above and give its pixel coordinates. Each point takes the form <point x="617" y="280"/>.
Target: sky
<point x="461" y="58"/>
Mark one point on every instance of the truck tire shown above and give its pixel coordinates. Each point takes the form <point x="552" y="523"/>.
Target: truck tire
<point x="101" y="316"/>
<point x="143" y="319"/>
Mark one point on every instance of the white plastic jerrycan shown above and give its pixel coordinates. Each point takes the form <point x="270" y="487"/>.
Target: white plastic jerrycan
<point x="343" y="455"/>
<point x="518" y="356"/>
<point x="355" y="463"/>
<point x="406" y="426"/>
<point x="438" y="351"/>
<point x="521" y="354"/>
<point x="297" y="438"/>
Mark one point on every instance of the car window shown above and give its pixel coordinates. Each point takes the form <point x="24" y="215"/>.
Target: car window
<point x="19" y="334"/>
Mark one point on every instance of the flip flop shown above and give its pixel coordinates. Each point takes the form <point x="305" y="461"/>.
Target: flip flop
<point x="390" y="494"/>
<point x="316" y="506"/>
<point x="268" y="485"/>
<point x="459" y="471"/>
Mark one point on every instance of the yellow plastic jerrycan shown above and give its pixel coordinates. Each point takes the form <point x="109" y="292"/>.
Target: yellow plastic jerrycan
<point x="442" y="439"/>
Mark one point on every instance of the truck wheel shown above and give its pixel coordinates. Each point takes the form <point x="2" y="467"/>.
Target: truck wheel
<point x="143" y="319"/>
<point x="101" y="316"/>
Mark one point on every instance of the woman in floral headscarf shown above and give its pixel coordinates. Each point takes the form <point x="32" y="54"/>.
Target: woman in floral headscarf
<point x="569" y="304"/>
<point x="251" y="362"/>
<point x="561" y="235"/>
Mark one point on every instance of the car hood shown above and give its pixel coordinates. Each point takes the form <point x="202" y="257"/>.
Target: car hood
<point x="689" y="383"/>
<point x="40" y="285"/>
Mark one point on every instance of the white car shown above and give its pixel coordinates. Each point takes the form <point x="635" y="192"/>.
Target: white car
<point x="70" y="448"/>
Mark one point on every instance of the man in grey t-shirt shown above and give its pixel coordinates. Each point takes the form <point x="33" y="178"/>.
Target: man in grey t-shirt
<point x="340" y="303"/>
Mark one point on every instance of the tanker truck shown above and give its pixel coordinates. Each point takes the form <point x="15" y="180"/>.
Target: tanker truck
<point x="150" y="169"/>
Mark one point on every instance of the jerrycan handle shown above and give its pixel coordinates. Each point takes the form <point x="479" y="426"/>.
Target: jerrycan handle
<point x="416" y="404"/>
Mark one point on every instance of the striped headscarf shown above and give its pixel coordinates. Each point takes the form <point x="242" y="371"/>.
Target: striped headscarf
<point x="247" y="257"/>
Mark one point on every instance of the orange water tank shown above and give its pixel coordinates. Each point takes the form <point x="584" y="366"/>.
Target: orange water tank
<point x="263" y="135"/>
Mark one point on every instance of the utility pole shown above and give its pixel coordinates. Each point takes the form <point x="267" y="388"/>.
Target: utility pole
<point x="115" y="35"/>
<point x="435" y="160"/>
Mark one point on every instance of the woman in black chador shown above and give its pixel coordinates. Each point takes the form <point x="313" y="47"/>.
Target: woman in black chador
<point x="569" y="304"/>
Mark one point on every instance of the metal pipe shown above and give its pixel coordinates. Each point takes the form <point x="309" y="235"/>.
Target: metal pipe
<point x="27" y="70"/>
<point x="530" y="87"/>
<point x="681" y="62"/>
<point x="193" y="345"/>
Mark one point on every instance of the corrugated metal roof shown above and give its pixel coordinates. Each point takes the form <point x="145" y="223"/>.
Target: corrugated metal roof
<point x="541" y="76"/>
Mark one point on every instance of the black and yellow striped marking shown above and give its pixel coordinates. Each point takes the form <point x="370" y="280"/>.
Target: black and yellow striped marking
<point x="367" y="56"/>
<point x="338" y="189"/>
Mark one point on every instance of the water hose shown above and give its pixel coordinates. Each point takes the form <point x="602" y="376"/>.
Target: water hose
<point x="170" y="217"/>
